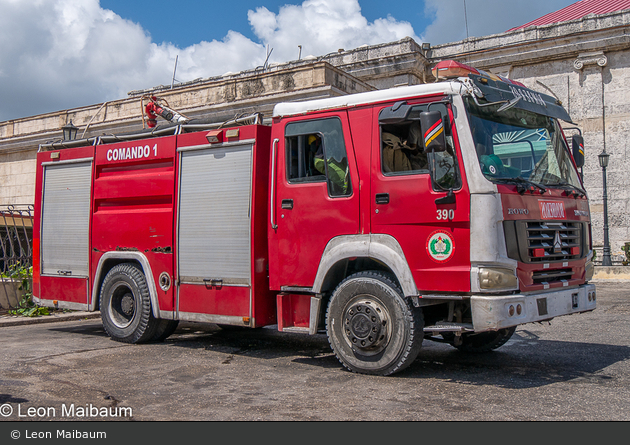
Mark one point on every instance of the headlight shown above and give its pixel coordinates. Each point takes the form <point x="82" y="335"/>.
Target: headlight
<point x="496" y="278"/>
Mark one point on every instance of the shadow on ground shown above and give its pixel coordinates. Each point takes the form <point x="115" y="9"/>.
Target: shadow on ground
<point x="525" y="361"/>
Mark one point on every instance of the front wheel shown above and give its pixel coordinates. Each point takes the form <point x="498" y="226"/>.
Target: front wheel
<point x="126" y="305"/>
<point x="371" y="328"/>
<point x="164" y="329"/>
<point x="485" y="341"/>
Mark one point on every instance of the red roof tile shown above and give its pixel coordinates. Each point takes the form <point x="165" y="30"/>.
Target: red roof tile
<point x="577" y="11"/>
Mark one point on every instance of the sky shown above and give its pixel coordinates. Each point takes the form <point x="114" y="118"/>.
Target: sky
<point x="61" y="54"/>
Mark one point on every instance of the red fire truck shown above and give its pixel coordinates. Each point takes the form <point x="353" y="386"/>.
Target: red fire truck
<point x="450" y="211"/>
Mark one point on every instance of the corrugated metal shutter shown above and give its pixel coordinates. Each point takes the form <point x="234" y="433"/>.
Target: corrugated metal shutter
<point x="66" y="219"/>
<point x="214" y="215"/>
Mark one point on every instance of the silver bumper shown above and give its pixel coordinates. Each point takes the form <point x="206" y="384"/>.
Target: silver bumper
<point x="497" y="312"/>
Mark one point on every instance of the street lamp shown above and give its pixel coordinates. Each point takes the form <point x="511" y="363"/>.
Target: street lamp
<point x="69" y="132"/>
<point x="603" y="162"/>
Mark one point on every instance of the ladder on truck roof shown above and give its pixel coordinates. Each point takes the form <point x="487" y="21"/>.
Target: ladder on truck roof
<point x="162" y="130"/>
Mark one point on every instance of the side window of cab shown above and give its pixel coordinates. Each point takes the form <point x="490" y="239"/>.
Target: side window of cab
<point x="402" y="145"/>
<point x="316" y="152"/>
<point x="402" y="150"/>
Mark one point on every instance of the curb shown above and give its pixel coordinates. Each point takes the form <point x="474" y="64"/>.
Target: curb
<point x="612" y="273"/>
<point x="17" y="320"/>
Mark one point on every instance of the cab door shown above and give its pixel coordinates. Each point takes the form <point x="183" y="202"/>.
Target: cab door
<point x="434" y="235"/>
<point x="314" y="195"/>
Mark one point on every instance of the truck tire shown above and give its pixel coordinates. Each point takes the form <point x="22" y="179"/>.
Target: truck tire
<point x="371" y="328"/>
<point x="164" y="329"/>
<point x="126" y="305"/>
<point x="485" y="341"/>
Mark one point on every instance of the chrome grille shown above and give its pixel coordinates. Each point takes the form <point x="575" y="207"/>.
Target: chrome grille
<point x="550" y="276"/>
<point x="555" y="239"/>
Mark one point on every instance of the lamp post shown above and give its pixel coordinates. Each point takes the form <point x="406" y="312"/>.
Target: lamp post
<point x="603" y="162"/>
<point x="69" y="131"/>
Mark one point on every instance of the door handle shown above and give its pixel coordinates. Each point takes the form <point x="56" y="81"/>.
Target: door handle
<point x="272" y="194"/>
<point x="382" y="198"/>
<point x="287" y="204"/>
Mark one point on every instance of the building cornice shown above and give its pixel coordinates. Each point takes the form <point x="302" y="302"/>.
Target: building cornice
<point x="607" y="32"/>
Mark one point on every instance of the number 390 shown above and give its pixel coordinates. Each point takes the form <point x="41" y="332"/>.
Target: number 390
<point x="445" y="214"/>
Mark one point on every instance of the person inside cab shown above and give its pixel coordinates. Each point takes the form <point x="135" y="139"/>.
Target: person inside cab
<point x="337" y="173"/>
<point x="403" y="154"/>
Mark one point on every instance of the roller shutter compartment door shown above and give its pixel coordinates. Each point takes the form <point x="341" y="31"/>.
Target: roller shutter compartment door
<point x="66" y="219"/>
<point x="214" y="215"/>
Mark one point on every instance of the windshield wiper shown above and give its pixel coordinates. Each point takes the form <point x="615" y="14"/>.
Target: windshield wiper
<point x="564" y="185"/>
<point x="521" y="182"/>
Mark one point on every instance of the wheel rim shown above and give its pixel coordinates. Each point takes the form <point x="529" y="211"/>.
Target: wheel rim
<point x="367" y="325"/>
<point x="122" y="306"/>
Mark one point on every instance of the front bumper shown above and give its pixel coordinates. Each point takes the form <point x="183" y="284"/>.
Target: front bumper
<point x="498" y="312"/>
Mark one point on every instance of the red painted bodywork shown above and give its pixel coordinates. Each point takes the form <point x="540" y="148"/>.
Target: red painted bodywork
<point x="133" y="206"/>
<point x="293" y="310"/>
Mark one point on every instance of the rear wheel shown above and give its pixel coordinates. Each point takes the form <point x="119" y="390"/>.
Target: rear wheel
<point x="371" y="328"/>
<point x="126" y="305"/>
<point x="485" y="341"/>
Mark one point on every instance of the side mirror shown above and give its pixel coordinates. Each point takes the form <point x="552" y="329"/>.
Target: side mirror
<point x="433" y="131"/>
<point x="577" y="144"/>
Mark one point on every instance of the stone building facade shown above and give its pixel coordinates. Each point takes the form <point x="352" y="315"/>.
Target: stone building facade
<point x="584" y="63"/>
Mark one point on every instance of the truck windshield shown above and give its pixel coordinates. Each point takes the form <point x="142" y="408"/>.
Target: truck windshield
<point x="515" y="145"/>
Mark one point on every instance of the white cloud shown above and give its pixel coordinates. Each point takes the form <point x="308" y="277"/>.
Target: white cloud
<point x="69" y="53"/>
<point x="323" y="26"/>
<point x="66" y="53"/>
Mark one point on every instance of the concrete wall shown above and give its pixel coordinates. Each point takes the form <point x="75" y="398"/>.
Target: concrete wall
<point x="17" y="177"/>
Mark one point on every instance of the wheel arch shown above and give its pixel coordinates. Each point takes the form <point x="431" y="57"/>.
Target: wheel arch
<point x="382" y="252"/>
<point x="111" y="259"/>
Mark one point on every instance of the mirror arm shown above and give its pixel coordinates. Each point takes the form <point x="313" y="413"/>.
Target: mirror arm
<point x="488" y="104"/>
<point x="448" y="199"/>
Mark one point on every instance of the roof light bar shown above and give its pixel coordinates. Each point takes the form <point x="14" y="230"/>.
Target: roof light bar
<point x="450" y="69"/>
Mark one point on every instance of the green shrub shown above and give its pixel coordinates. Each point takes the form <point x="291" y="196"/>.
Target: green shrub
<point x="26" y="306"/>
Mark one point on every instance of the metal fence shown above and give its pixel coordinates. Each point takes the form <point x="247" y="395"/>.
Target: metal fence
<point x="16" y="255"/>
